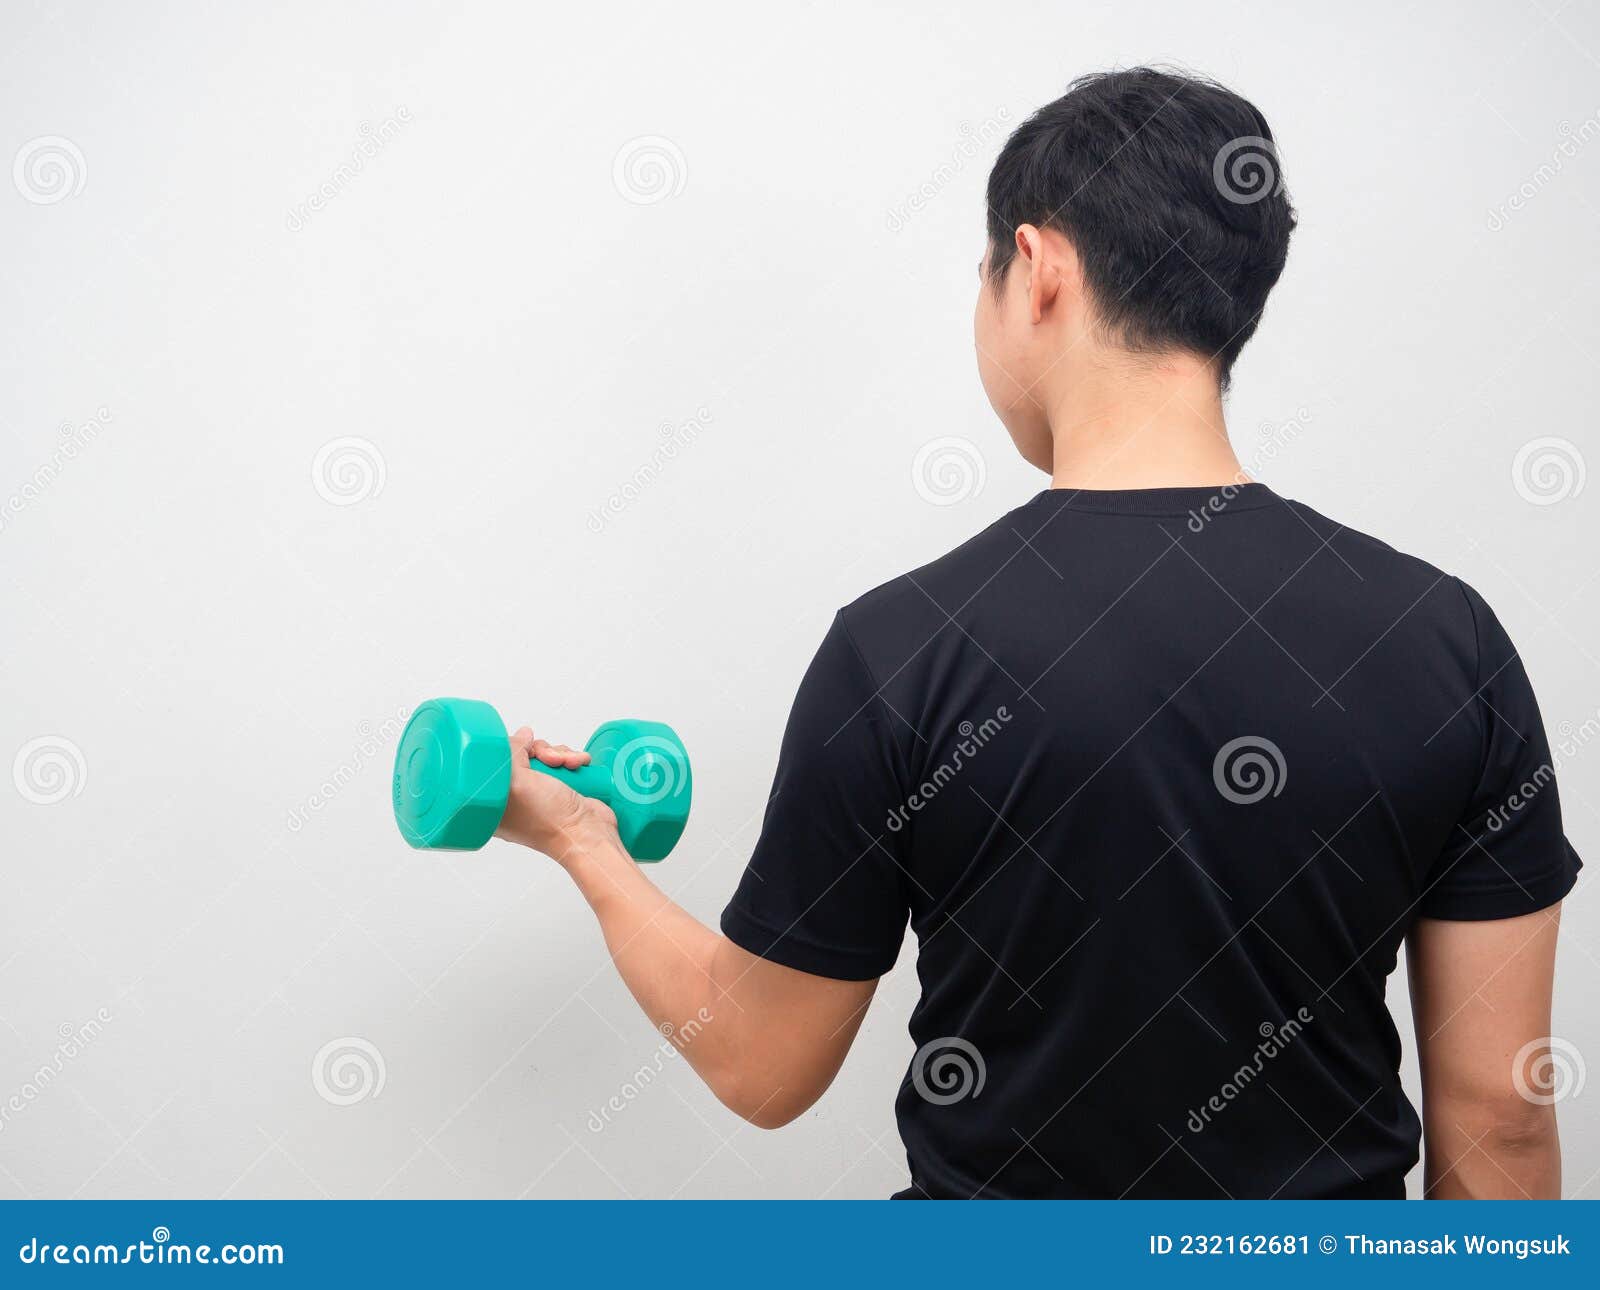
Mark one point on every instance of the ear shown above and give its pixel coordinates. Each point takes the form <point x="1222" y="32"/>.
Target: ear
<point x="1044" y="275"/>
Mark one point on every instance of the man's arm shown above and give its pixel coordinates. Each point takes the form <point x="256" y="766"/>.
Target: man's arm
<point x="766" y="1039"/>
<point x="1480" y="997"/>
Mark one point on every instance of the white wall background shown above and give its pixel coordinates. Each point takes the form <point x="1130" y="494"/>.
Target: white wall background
<point x="485" y="306"/>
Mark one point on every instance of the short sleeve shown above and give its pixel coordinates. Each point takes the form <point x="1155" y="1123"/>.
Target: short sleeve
<point x="825" y="891"/>
<point x="1508" y="854"/>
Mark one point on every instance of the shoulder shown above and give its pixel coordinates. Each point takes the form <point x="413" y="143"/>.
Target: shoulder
<point x="1400" y="578"/>
<point x="897" y="619"/>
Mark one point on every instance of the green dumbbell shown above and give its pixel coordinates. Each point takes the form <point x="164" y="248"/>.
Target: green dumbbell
<point x="452" y="773"/>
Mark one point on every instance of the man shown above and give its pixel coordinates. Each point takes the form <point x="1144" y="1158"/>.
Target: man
<point x="1163" y="768"/>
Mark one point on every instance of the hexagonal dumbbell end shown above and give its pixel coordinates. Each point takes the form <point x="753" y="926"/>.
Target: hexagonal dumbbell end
<point x="650" y="786"/>
<point x="452" y="773"/>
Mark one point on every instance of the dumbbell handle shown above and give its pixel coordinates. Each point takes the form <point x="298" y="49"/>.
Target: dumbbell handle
<point x="593" y="780"/>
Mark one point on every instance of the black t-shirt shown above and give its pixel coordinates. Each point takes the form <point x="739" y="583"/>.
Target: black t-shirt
<point x="1161" y="778"/>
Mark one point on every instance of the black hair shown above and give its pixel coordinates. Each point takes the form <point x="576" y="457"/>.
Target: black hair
<point x="1168" y="187"/>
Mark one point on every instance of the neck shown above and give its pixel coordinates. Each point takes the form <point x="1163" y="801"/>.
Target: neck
<point x="1118" y="427"/>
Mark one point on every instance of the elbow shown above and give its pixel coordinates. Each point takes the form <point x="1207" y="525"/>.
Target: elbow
<point x="1506" y="1123"/>
<point x="769" y="1117"/>
<point x="1524" y="1129"/>
<point x="760" y="1104"/>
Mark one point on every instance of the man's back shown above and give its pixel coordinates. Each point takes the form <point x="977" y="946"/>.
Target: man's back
<point x="1163" y="777"/>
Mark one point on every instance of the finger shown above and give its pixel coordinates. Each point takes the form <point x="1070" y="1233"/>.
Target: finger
<point x="544" y="751"/>
<point x="558" y="756"/>
<point x="522" y="742"/>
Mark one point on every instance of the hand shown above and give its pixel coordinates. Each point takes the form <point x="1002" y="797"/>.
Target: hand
<point x="541" y="811"/>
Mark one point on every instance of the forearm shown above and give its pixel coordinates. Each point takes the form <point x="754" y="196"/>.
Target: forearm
<point x="675" y="966"/>
<point x="1471" y="1157"/>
